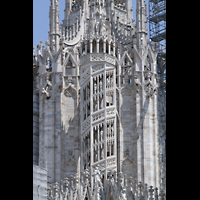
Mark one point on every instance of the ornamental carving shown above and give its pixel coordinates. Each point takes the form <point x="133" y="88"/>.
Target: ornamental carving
<point x="48" y="86"/>
<point x="126" y="91"/>
<point x="150" y="89"/>
<point x="70" y="92"/>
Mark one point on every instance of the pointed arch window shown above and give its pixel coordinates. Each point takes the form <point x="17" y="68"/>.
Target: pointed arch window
<point x="70" y="69"/>
<point x="94" y="46"/>
<point x="88" y="46"/>
<point x="101" y="46"/>
<point x="111" y="48"/>
<point x="106" y="46"/>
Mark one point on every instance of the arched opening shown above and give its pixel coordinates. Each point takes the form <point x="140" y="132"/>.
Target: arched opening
<point x="148" y="63"/>
<point x="83" y="48"/>
<point x="106" y="46"/>
<point x="116" y="50"/>
<point x="94" y="46"/>
<point x="48" y="66"/>
<point x="88" y="46"/>
<point x="70" y="69"/>
<point x="101" y="46"/>
<point x="111" y="48"/>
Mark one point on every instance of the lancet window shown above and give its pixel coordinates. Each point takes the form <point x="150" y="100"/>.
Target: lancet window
<point x="86" y="102"/>
<point x="109" y="88"/>
<point x="86" y="150"/>
<point x="97" y="92"/>
<point x="100" y="46"/>
<point x="98" y="142"/>
<point x="94" y="46"/>
<point x="110" y="137"/>
<point x="107" y="46"/>
<point x="111" y="49"/>
<point x="70" y="69"/>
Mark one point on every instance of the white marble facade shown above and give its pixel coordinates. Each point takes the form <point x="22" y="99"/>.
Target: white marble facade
<point x="97" y="95"/>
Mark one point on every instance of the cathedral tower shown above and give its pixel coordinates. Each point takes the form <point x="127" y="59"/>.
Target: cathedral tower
<point x="97" y="86"/>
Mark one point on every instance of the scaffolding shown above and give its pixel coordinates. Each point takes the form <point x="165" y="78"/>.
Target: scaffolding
<point x="157" y="22"/>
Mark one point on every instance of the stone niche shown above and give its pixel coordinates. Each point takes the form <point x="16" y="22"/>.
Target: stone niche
<point x="128" y="166"/>
<point x="70" y="167"/>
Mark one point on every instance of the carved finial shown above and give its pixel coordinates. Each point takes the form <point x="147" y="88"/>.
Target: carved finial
<point x="76" y="180"/>
<point x="120" y="178"/>
<point x="145" y="191"/>
<point x="162" y="195"/>
<point x="156" y="193"/>
<point x="47" y="43"/>
<point x="151" y="190"/>
<point x="34" y="53"/>
<point x="49" y="192"/>
<point x="56" y="188"/>
<point x="87" y="176"/>
<point x="140" y="185"/>
<point x="66" y="181"/>
<point x="135" y="187"/>
<point x="72" y="181"/>
<point x="131" y="183"/>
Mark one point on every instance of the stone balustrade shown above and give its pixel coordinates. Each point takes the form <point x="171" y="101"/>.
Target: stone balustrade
<point x="97" y="57"/>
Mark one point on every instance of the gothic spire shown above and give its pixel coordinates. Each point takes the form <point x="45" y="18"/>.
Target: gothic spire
<point x="54" y="16"/>
<point x="141" y="23"/>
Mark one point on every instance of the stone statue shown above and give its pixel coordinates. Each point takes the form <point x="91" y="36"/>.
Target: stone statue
<point x="123" y="194"/>
<point x="46" y="92"/>
<point x="97" y="175"/>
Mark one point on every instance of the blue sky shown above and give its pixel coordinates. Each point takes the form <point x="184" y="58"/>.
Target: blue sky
<point x="41" y="18"/>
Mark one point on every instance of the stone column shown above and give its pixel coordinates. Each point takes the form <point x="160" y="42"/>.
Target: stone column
<point x="109" y="48"/>
<point x="90" y="46"/>
<point x="67" y="34"/>
<point x="85" y="47"/>
<point x="98" y="142"/>
<point x="97" y="46"/>
<point x="114" y="49"/>
<point x="35" y="127"/>
<point x="104" y="45"/>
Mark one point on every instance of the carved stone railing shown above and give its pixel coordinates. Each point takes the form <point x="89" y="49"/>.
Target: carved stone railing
<point x="119" y="186"/>
<point x="97" y="57"/>
<point x="98" y="115"/>
<point x="110" y="111"/>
